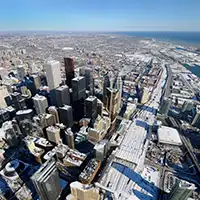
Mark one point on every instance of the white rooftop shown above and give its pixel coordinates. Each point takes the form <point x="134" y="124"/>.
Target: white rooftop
<point x="131" y="148"/>
<point x="168" y="135"/>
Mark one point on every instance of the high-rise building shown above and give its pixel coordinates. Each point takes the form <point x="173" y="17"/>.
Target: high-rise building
<point x="18" y="102"/>
<point x="3" y="94"/>
<point x="69" y="137"/>
<point x="78" y="88"/>
<point x="53" y="74"/>
<point x="89" y="80"/>
<point x="165" y="106"/>
<point x="182" y="190"/>
<point x="36" y="80"/>
<point x="47" y="182"/>
<point x="119" y="86"/>
<point x="53" y="110"/>
<point x="106" y="84"/>
<point x="91" y="107"/>
<point x="24" y="114"/>
<point x="81" y="191"/>
<point x="53" y="134"/>
<point x="62" y="95"/>
<point x="66" y="116"/>
<point x="196" y="120"/>
<point x="99" y="108"/>
<point x="112" y="102"/>
<point x="10" y="134"/>
<point x="21" y="71"/>
<point x="69" y="70"/>
<point x="40" y="103"/>
<point x="101" y="150"/>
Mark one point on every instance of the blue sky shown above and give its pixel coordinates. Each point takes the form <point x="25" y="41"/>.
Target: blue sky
<point x="100" y="15"/>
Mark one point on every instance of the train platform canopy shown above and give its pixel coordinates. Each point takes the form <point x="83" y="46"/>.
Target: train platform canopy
<point x="168" y="135"/>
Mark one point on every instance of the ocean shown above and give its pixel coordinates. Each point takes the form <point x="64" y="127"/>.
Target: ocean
<point x="181" y="38"/>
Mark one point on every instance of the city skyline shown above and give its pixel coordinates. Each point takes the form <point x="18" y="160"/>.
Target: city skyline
<point x="100" y="16"/>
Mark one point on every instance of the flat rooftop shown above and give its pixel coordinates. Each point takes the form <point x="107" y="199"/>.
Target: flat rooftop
<point x="168" y="135"/>
<point x="131" y="148"/>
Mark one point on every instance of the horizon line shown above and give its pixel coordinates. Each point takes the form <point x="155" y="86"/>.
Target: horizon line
<point x="98" y="31"/>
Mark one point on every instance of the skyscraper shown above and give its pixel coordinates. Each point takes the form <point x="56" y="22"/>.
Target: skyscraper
<point x="91" y="107"/>
<point x="119" y="86"/>
<point x="196" y="120"/>
<point x="53" y="74"/>
<point x="53" y="110"/>
<point x="89" y="80"/>
<point x="69" y="137"/>
<point x="53" y="134"/>
<point x="106" y="84"/>
<point x="66" y="116"/>
<point x="181" y="190"/>
<point x="62" y="95"/>
<point x="112" y="102"/>
<point x="47" y="182"/>
<point x="3" y="94"/>
<point x="78" y="88"/>
<point x="21" y="72"/>
<point x="40" y="103"/>
<point x="69" y="70"/>
<point x="165" y="106"/>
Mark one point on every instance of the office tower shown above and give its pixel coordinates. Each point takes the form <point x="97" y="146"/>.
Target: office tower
<point x="78" y="88"/>
<point x="69" y="70"/>
<point x="89" y="80"/>
<point x="50" y="120"/>
<point x="83" y="192"/>
<point x="53" y="134"/>
<point x="112" y="99"/>
<point x="196" y="120"/>
<point x="69" y="138"/>
<point x="47" y="182"/>
<point x="40" y="103"/>
<point x="165" y="106"/>
<point x="101" y="150"/>
<point x="10" y="134"/>
<point x="91" y="107"/>
<point x="119" y="86"/>
<point x="8" y="100"/>
<point x="24" y="114"/>
<point x="62" y="132"/>
<point x="3" y="94"/>
<point x="53" y="110"/>
<point x="53" y="74"/>
<point x="4" y="116"/>
<point x="11" y="112"/>
<point x="66" y="116"/>
<point x="62" y="96"/>
<point x="18" y="102"/>
<point x="182" y="190"/>
<point x="187" y="106"/>
<point x="106" y="84"/>
<point x="16" y="96"/>
<point x="29" y="83"/>
<point x="21" y="71"/>
<point x="3" y="72"/>
<point x="36" y="80"/>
